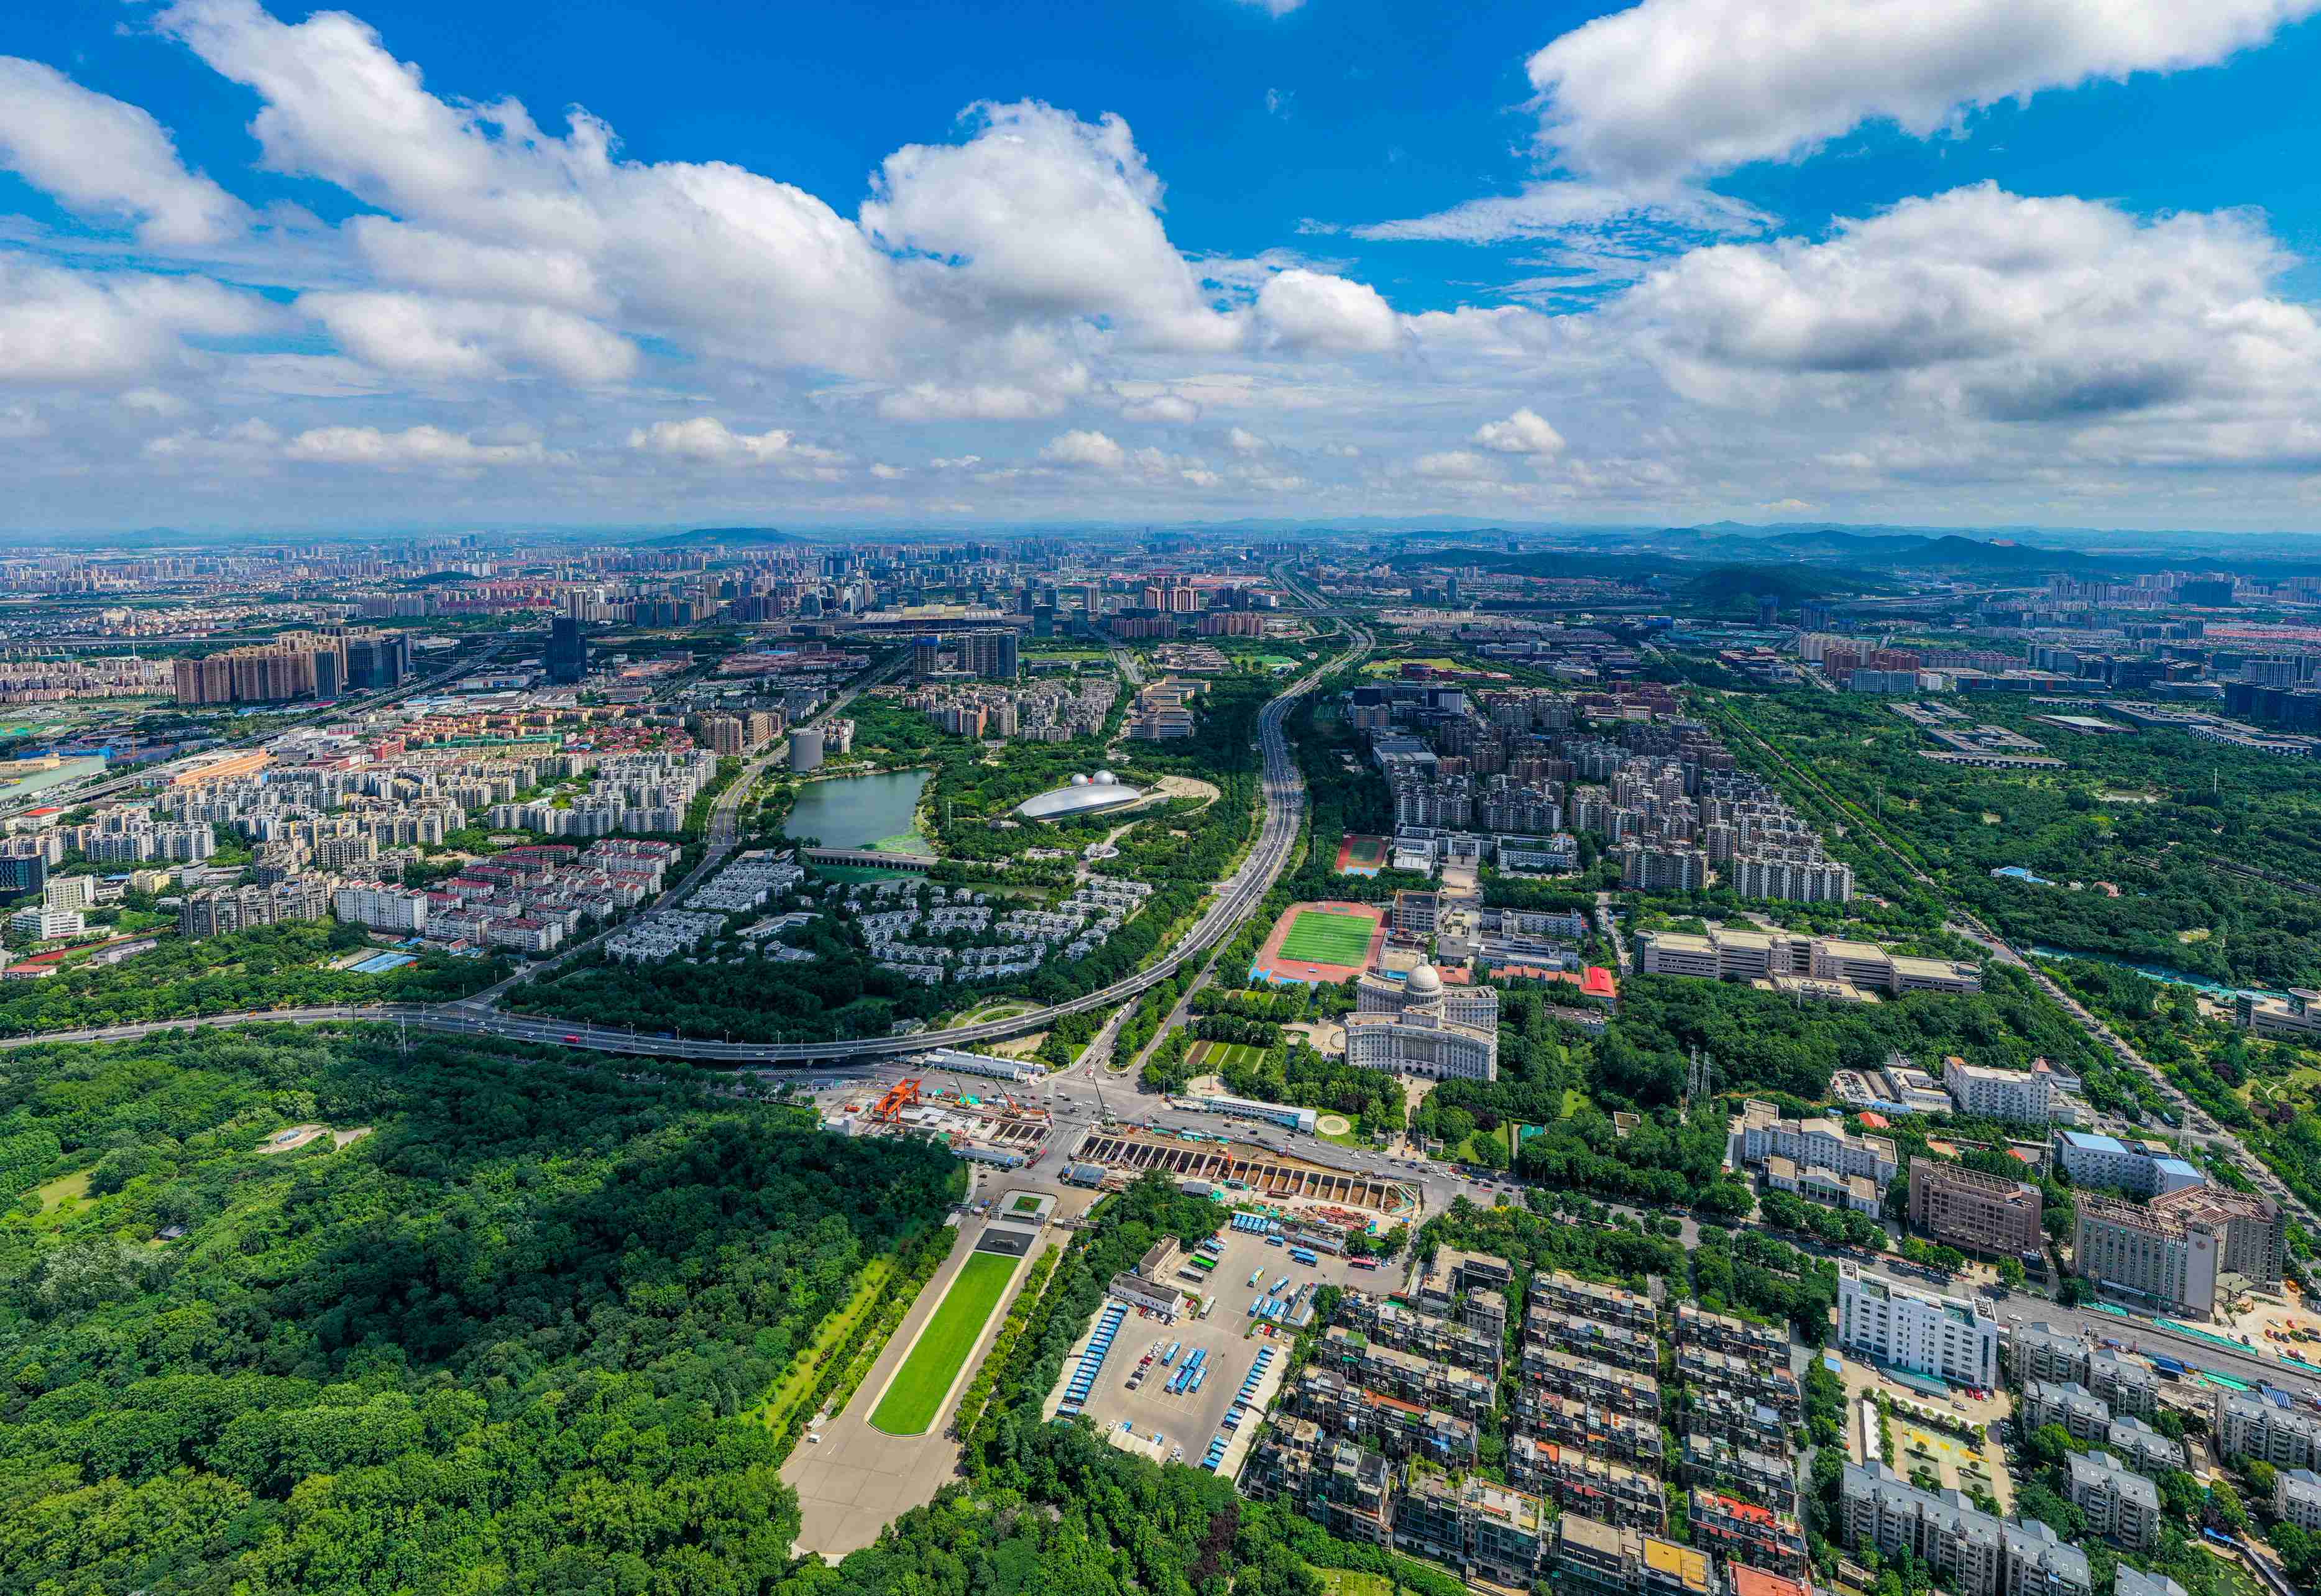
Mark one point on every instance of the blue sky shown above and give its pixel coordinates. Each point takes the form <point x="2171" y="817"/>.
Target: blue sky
<point x="1938" y="261"/>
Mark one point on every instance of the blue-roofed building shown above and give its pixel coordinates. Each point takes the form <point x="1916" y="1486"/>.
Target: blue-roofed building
<point x="2147" y="1169"/>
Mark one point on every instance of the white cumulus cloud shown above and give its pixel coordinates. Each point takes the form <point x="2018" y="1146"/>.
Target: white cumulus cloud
<point x="1454" y="464"/>
<point x="1082" y="446"/>
<point x="64" y="326"/>
<point x="1525" y="432"/>
<point x="414" y="446"/>
<point x="104" y="157"/>
<point x="1316" y="311"/>
<point x="1673" y="90"/>
<point x="707" y="439"/>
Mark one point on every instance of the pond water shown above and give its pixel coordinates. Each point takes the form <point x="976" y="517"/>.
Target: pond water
<point x="862" y="811"/>
<point x="2156" y="971"/>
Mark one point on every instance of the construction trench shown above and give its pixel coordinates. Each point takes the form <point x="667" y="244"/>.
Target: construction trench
<point x="1234" y="1167"/>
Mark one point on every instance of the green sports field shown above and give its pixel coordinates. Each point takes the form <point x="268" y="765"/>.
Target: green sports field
<point x="1218" y="1056"/>
<point x="912" y="1402"/>
<point x="1322" y="937"/>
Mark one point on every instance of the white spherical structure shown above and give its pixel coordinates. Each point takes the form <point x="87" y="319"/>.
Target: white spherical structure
<point x="1426" y="981"/>
<point x="1105" y="779"/>
<point x="1079" y="781"/>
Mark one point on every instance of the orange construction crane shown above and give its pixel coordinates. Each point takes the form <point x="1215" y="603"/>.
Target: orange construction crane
<point x="899" y="1096"/>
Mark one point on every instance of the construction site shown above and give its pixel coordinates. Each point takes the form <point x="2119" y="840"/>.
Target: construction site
<point x="1237" y="1167"/>
<point x="988" y="1126"/>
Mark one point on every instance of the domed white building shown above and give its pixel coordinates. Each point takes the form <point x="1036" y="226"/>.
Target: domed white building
<point x="1418" y="1026"/>
<point x="1083" y="794"/>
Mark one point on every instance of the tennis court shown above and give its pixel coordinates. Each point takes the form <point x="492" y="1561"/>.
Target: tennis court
<point x="1361" y="856"/>
<point x="914" y="1396"/>
<point x="1322" y="937"/>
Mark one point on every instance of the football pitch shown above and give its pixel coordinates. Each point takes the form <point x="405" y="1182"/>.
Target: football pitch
<point x="916" y="1393"/>
<point x="1319" y="936"/>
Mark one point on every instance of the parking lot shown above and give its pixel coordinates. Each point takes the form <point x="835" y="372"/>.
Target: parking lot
<point x="1229" y="1335"/>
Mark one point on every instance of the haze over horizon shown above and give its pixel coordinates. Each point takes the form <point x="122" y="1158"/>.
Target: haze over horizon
<point x="1871" y="262"/>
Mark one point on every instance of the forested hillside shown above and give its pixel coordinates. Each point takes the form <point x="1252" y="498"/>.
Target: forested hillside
<point x="508" y="1339"/>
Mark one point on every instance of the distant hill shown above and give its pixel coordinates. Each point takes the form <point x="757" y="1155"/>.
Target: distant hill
<point x="1909" y="549"/>
<point x="1737" y="586"/>
<point x="733" y="537"/>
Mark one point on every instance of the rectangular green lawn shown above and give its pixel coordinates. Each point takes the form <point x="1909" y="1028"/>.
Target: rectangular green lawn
<point x="911" y="1402"/>
<point x="1322" y="937"/>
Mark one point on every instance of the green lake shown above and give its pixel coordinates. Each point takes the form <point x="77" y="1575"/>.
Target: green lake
<point x="862" y="811"/>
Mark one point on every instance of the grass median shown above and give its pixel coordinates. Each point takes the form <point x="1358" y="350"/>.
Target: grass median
<point x="916" y="1396"/>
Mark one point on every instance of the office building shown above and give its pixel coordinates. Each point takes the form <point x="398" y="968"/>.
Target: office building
<point x="1954" y="1338"/>
<point x="2027" y="1097"/>
<point x="1973" y="1211"/>
<point x="377" y="660"/>
<point x="567" y="658"/>
<point x="1420" y="1027"/>
<point x="2295" y="1018"/>
<point x="1760" y="1135"/>
<point x="2177" y="1251"/>
<point x="40" y="923"/>
<point x="1727" y="954"/>
<point x="2142" y="1169"/>
<point x="991" y="655"/>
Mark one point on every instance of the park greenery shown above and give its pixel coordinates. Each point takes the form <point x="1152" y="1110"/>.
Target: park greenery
<point x="2210" y="848"/>
<point x="276" y="966"/>
<point x="512" y="1337"/>
<point x="1181" y="846"/>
